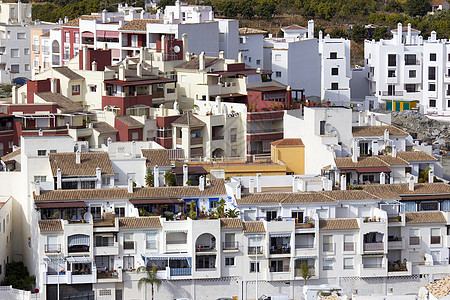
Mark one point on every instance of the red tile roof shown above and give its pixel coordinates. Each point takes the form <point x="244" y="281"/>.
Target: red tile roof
<point x="288" y="142"/>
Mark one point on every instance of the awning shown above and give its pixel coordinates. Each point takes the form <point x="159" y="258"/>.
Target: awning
<point x="176" y="230"/>
<point x="76" y="179"/>
<point x="305" y="256"/>
<point x="109" y="34"/>
<point x="280" y="235"/>
<point x="372" y="170"/>
<point x="78" y="259"/>
<point x="60" y="204"/>
<point x="87" y="34"/>
<point x="156" y="201"/>
<point x="139" y="82"/>
<point x="78" y="239"/>
<point x="363" y="203"/>
<point x="328" y="258"/>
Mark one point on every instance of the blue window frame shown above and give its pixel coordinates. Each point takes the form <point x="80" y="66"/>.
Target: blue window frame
<point x="213" y="203"/>
<point x="187" y="205"/>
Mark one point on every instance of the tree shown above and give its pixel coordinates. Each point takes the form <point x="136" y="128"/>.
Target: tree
<point x="417" y="7"/>
<point x="304" y="271"/>
<point x="394" y="6"/>
<point x="149" y="178"/>
<point x="228" y="8"/>
<point x="379" y="32"/>
<point x="338" y="32"/>
<point x="266" y="9"/>
<point x="245" y="8"/>
<point x="170" y="179"/>
<point x="17" y="275"/>
<point x="150" y="278"/>
<point x="359" y="33"/>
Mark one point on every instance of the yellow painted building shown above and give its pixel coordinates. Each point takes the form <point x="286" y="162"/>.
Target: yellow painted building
<point x="291" y="153"/>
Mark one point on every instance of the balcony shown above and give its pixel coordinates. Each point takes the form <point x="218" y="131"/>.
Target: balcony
<point x="205" y="248"/>
<point x="387" y="93"/>
<point x="105" y="275"/>
<point x="280" y="249"/>
<point x="230" y="245"/>
<point x="196" y="141"/>
<point x="412" y="62"/>
<point x="305" y="246"/>
<point x="395" y="244"/>
<point x="298" y="272"/>
<point x="158" y="94"/>
<point x="35" y="48"/>
<point x="110" y="248"/>
<point x="255" y="250"/>
<point x="399" y="269"/>
<point x="264" y="131"/>
<point x="217" y="138"/>
<point x="378" y="246"/>
<point x="373" y="266"/>
<point x="52" y="248"/>
<point x="78" y="248"/>
<point x="180" y="271"/>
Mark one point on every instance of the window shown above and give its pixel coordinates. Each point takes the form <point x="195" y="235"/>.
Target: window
<point x="77" y="37"/>
<point x="322" y="127"/>
<point x="391" y="73"/>
<point x="93" y="88"/>
<point x="432" y="87"/>
<point x="66" y="53"/>
<point x="391" y="90"/>
<point x="333" y="55"/>
<point x="36" y="62"/>
<point x="298" y="216"/>
<point x="128" y="241"/>
<point x="14" y="68"/>
<point x="432" y="205"/>
<point x="40" y="178"/>
<point x="335" y="86"/>
<point x="135" y="136"/>
<point x="116" y="177"/>
<point x="327" y="243"/>
<point x="67" y="37"/>
<point x="392" y="60"/>
<point x="75" y="89"/>
<point x="410" y="59"/>
<point x="27" y="67"/>
<point x="249" y="59"/>
<point x="42" y="152"/>
<point x="348" y="263"/>
<point x="349" y="245"/>
<point x="334" y="71"/>
<point x="96" y="212"/>
<point x="15" y="53"/>
<point x="229" y="261"/>
<point x="368" y="178"/>
<point x="258" y="62"/>
<point x="254" y="245"/>
<point x="431" y="73"/>
<point x="278" y="74"/>
<point x="254" y="267"/>
<point x="151" y="240"/>
<point x="271" y="215"/>
<point x="327" y="264"/>
<point x="128" y="262"/>
<point x="435" y="236"/>
<point x="21" y="36"/>
<point x="241" y="40"/>
<point x="120" y="211"/>
<point x="432" y="56"/>
<point x="230" y="241"/>
<point x="233" y="135"/>
<point x="412" y="73"/>
<point x="26" y="51"/>
<point x="245" y="57"/>
<point x="410" y="88"/>
<point x="277" y="57"/>
<point x="414" y="237"/>
<point x="106" y="179"/>
<point x="214" y="203"/>
<point x="85" y="185"/>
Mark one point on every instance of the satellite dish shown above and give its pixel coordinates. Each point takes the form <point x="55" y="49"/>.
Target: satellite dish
<point x="87" y="217"/>
<point x="176" y="49"/>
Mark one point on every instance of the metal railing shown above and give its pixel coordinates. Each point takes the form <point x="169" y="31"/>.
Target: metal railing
<point x="268" y="130"/>
<point x="373" y="246"/>
<point x="387" y="93"/>
<point x="104" y="244"/>
<point x="52" y="248"/>
<point x="180" y="271"/>
<point x="280" y="249"/>
<point x="196" y="141"/>
<point x="204" y="248"/>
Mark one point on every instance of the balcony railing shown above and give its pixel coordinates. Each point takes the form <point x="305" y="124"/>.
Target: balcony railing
<point x="205" y="248"/>
<point x="255" y="250"/>
<point x="128" y="245"/>
<point x="53" y="248"/>
<point x="217" y="138"/>
<point x="78" y="248"/>
<point x="269" y="130"/>
<point x="305" y="246"/>
<point x="435" y="240"/>
<point x="281" y="269"/>
<point x="105" y="244"/>
<point x="180" y="271"/>
<point x="158" y="94"/>
<point x="349" y="246"/>
<point x="280" y="249"/>
<point x="298" y="272"/>
<point x="412" y="62"/>
<point x="179" y="141"/>
<point x="35" y="48"/>
<point x="196" y="141"/>
<point x="107" y="274"/>
<point x="372" y="266"/>
<point x="230" y="245"/>
<point x="414" y="240"/>
<point x="374" y="246"/>
<point x="387" y="93"/>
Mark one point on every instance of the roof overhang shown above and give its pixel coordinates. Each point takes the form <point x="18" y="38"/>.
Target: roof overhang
<point x="66" y="204"/>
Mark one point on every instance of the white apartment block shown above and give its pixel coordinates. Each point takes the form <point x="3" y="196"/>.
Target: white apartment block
<point x="251" y="44"/>
<point x="6" y="234"/>
<point x="407" y="71"/>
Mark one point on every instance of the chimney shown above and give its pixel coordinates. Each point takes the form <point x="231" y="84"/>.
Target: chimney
<point x="201" y="61"/>
<point x="355" y="151"/>
<point x="104" y="20"/>
<point x="386" y="135"/>
<point x="105" y="46"/>
<point x="431" y="176"/>
<point x="433" y="36"/>
<point x="85" y="57"/>
<point x="184" y="38"/>
<point x="251" y="185"/>
<point x="399" y="33"/>
<point x="139" y="69"/>
<point x="14" y="95"/>
<point x="258" y="182"/>
<point x="375" y="148"/>
<point x="142" y="55"/>
<point x="40" y="132"/>
<point x="373" y="120"/>
<point x="320" y="35"/>
<point x="133" y="149"/>
<point x="19" y="12"/>
<point x="240" y="57"/>
<point x="108" y="141"/>
<point x="218" y="104"/>
<point x="394" y="151"/>
<point x="78" y="157"/>
<point x="325" y="183"/>
<point x="156" y="176"/>
<point x="408" y="37"/>
<point x="126" y="63"/>
<point x="222" y="54"/>
<point x="185" y="174"/>
<point x="382" y="178"/>
<point x="122" y="72"/>
<point x="37" y="188"/>
<point x="130" y="185"/>
<point x="294" y="183"/>
<point x="201" y="185"/>
<point x="58" y="179"/>
<point x="238" y="191"/>
<point x="303" y="186"/>
<point x="343" y="182"/>
<point x="53" y="88"/>
<point x="411" y="183"/>
<point x="311" y="29"/>
<point x="94" y="66"/>
<point x="98" y="173"/>
<point x="66" y="19"/>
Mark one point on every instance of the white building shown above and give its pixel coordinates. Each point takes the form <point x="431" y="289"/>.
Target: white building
<point x="251" y="44"/>
<point x="6" y="234"/>
<point x="407" y="71"/>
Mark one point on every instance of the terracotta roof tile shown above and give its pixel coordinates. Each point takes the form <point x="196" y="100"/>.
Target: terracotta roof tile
<point x="11" y="155"/>
<point x="307" y="198"/>
<point x="103" y="127"/>
<point x="376" y="130"/>
<point x="65" y="105"/>
<point x="288" y="142"/>
<point x="338" y="224"/>
<point x="188" y="119"/>
<point x="193" y="64"/>
<point x="228" y="223"/>
<point x="411" y="156"/>
<point x="130" y="122"/>
<point x="89" y="162"/>
<point x="248" y="30"/>
<point x="141" y="222"/>
<point x="254" y="226"/>
<point x="369" y="161"/>
<point x="395" y="191"/>
<point x="155" y="157"/>
<point x="389" y="159"/>
<point x="50" y="225"/>
<point x="439" y="288"/>
<point x="76" y="22"/>
<point x="262" y="198"/>
<point x="425" y="217"/>
<point x="68" y="73"/>
<point x="294" y="27"/>
<point x="138" y="24"/>
<point x="350" y="195"/>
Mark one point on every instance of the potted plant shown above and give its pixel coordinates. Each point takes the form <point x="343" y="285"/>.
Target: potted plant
<point x="366" y="219"/>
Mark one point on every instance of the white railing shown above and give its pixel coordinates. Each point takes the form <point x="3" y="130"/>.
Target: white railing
<point x="8" y="292"/>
